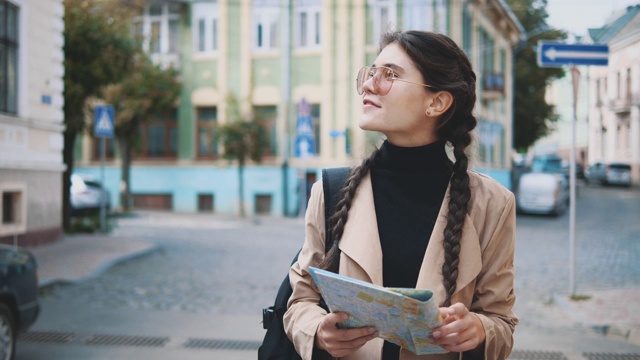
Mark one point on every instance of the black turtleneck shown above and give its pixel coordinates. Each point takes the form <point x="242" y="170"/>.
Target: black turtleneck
<point x="409" y="184"/>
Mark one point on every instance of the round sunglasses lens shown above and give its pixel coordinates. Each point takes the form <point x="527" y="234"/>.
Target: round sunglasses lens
<point x="363" y="74"/>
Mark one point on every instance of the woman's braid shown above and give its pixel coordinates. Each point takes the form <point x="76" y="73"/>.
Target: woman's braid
<point x="331" y="260"/>
<point x="460" y="193"/>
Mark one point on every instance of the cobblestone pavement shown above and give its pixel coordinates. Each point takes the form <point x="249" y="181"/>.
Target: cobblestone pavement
<point x="225" y="265"/>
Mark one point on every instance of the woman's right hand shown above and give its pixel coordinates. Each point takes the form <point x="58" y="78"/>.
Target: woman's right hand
<point x="341" y="342"/>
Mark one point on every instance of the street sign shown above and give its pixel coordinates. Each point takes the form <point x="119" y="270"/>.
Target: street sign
<point x="305" y="135"/>
<point x="103" y="119"/>
<point x="557" y="54"/>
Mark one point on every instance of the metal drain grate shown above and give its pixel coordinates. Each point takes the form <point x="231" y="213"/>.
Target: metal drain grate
<point x="536" y="355"/>
<point x="598" y="356"/>
<point x="125" y="340"/>
<point x="221" y="344"/>
<point x="47" y="336"/>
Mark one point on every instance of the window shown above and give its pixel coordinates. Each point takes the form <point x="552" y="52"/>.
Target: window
<point x="205" y="27"/>
<point x="315" y="118"/>
<point x="13" y="211"/>
<point x="442" y="19"/>
<point x="206" y="140"/>
<point x="628" y="86"/>
<point x="308" y="23"/>
<point x="467" y="20"/>
<point x="159" y="137"/>
<point x="8" y="57"/>
<point x="486" y="51"/>
<point x="160" y="27"/>
<point x="266" y="24"/>
<point x="417" y="15"/>
<point x="383" y="17"/>
<point x="268" y="115"/>
<point x="205" y="202"/>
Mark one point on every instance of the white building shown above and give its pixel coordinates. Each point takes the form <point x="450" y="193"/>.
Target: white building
<point x="614" y="114"/>
<point x="31" y="120"/>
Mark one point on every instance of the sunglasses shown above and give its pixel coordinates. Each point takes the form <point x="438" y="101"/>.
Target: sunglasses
<point x="383" y="78"/>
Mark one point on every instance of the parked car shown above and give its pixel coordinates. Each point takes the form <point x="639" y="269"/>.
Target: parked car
<point x="609" y="174"/>
<point x="542" y="193"/>
<point x="547" y="163"/>
<point x="87" y="195"/>
<point x="579" y="170"/>
<point x="19" y="304"/>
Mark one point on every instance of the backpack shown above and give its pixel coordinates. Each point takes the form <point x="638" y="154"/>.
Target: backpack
<point x="276" y="345"/>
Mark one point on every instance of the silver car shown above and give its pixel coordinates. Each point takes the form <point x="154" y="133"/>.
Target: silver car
<point x="542" y="193"/>
<point x="609" y="174"/>
<point x="88" y="195"/>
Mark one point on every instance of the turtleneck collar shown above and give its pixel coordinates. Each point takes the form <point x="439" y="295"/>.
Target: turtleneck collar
<point x="419" y="158"/>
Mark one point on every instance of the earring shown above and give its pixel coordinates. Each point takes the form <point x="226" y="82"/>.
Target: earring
<point x="428" y="112"/>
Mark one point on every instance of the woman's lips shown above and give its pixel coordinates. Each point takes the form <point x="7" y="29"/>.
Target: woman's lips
<point x="368" y="104"/>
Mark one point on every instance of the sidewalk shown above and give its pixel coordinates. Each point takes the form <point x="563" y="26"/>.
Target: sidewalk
<point x="615" y="314"/>
<point x="79" y="257"/>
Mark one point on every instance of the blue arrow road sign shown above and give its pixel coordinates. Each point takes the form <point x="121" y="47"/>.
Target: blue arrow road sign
<point x="103" y="116"/>
<point x="557" y="54"/>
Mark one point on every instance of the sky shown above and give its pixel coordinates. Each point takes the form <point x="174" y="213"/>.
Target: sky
<point x="576" y="16"/>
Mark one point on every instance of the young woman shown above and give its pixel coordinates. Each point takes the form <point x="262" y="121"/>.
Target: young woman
<point x="410" y="216"/>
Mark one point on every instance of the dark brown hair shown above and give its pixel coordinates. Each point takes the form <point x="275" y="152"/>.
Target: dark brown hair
<point x="445" y="67"/>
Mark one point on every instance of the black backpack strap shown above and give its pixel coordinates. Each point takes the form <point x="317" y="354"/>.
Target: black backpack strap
<point x="333" y="179"/>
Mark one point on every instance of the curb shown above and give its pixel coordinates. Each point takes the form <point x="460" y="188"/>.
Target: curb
<point x="619" y="332"/>
<point x="98" y="270"/>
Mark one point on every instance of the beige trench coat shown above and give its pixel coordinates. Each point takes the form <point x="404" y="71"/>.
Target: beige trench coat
<point x="485" y="273"/>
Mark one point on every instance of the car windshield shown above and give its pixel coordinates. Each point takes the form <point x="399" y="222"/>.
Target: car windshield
<point x="546" y="164"/>
<point x="620" y="166"/>
<point x="92" y="183"/>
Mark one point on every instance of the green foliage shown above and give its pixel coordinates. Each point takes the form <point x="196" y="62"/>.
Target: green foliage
<point x="145" y="91"/>
<point x="532" y="114"/>
<point x="98" y="49"/>
<point x="89" y="224"/>
<point x="241" y="139"/>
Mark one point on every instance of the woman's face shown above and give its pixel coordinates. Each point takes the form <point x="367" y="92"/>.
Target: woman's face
<point x="401" y="114"/>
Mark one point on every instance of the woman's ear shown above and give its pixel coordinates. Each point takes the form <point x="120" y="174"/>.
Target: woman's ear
<point x="440" y="103"/>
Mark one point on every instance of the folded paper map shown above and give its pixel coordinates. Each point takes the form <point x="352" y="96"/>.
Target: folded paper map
<point x="405" y="317"/>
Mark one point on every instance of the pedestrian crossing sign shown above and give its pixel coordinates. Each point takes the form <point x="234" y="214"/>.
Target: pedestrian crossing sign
<point x="103" y="121"/>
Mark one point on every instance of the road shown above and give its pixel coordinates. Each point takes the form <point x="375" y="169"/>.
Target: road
<point x="213" y="274"/>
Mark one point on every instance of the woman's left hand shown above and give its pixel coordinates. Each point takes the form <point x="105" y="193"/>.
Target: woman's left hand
<point x="461" y="331"/>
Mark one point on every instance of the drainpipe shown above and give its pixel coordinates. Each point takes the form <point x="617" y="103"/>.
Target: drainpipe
<point x="286" y="100"/>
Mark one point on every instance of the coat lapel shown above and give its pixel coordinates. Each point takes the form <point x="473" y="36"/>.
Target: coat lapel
<point x="470" y="262"/>
<point x="360" y="240"/>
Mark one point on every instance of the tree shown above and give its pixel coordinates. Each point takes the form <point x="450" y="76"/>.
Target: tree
<point x="147" y="90"/>
<point x="98" y="49"/>
<point x="532" y="114"/>
<point x="243" y="139"/>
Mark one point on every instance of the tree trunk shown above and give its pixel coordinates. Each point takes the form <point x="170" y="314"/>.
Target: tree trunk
<point x="241" y="183"/>
<point x="125" y="180"/>
<point x="69" y="142"/>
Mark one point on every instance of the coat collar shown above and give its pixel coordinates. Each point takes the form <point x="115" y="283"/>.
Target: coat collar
<point x="361" y="243"/>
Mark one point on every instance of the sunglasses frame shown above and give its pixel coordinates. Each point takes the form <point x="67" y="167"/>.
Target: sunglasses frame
<point x="394" y="77"/>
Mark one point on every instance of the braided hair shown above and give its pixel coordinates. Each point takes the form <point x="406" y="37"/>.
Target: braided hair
<point x="445" y="67"/>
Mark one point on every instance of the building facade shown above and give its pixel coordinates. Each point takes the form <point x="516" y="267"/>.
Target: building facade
<point x="614" y="115"/>
<point x="31" y="120"/>
<point x="280" y="59"/>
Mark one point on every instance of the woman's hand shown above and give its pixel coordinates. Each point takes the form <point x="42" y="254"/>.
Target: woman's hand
<point x="341" y="342"/>
<point x="461" y="331"/>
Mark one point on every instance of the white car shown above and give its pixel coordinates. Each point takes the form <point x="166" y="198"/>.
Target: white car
<point x="543" y="193"/>
<point x="609" y="174"/>
<point x="87" y="195"/>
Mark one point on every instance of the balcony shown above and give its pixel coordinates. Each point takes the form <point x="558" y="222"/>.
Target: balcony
<point x="624" y="104"/>
<point x="493" y="85"/>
